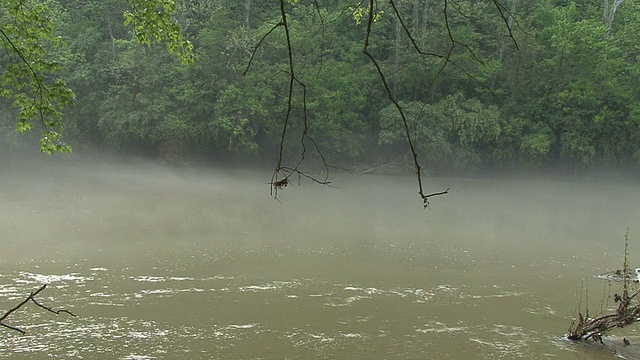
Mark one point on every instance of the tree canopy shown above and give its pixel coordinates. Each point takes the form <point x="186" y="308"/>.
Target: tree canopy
<point x="531" y="83"/>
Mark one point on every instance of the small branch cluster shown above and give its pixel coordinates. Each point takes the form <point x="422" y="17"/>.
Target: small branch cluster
<point x="282" y="174"/>
<point x="32" y="298"/>
<point x="626" y="313"/>
<point x="586" y="328"/>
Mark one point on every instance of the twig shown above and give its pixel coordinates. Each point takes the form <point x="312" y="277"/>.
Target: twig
<point x="435" y="194"/>
<point x="625" y="314"/>
<point x="507" y="21"/>
<point x="255" y="49"/>
<point x="412" y="148"/>
<point x="37" y="78"/>
<point x="31" y="298"/>
<point x="281" y="174"/>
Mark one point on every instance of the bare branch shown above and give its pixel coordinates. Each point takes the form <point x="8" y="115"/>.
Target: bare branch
<point x="255" y="49"/>
<point x="57" y="312"/>
<point x="405" y="123"/>
<point x="31" y="298"/>
<point x="447" y="57"/>
<point x="281" y="176"/>
<point x="455" y="42"/>
<point x="508" y="20"/>
<point x="437" y="194"/>
<point x="585" y="328"/>
<point x="22" y="303"/>
<point x="408" y="33"/>
<point x="278" y="183"/>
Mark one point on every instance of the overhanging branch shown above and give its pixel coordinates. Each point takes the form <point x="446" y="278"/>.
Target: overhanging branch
<point x="32" y="298"/>
<point x="282" y="174"/>
<point x="405" y="122"/>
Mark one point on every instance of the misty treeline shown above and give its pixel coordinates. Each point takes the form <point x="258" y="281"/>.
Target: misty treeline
<point x="561" y="89"/>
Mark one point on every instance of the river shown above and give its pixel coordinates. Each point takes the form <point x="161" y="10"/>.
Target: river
<point x="167" y="263"/>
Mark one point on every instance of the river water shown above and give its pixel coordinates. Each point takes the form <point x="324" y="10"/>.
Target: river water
<point x="163" y="263"/>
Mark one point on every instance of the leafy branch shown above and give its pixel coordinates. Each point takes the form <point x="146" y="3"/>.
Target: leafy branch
<point x="28" y="32"/>
<point x="152" y="22"/>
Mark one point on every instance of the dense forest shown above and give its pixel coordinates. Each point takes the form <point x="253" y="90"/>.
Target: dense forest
<point x="542" y="84"/>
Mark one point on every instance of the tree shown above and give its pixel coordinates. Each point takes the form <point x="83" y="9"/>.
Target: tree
<point x="455" y="132"/>
<point x="29" y="77"/>
<point x="290" y="78"/>
<point x="154" y="21"/>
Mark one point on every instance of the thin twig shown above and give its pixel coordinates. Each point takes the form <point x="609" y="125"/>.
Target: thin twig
<point x="405" y="122"/>
<point x="281" y="174"/>
<point x="38" y="80"/>
<point x="255" y="49"/>
<point x="507" y="21"/>
<point x="31" y="298"/>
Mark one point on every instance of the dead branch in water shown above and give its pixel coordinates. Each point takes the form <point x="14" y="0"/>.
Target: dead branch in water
<point x="32" y="298"/>
<point x="585" y="328"/>
<point x="595" y="328"/>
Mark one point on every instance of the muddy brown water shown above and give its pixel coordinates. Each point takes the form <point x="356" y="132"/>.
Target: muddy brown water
<point x="165" y="263"/>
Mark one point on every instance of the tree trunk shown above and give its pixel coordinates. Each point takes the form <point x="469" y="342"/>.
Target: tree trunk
<point x="425" y="18"/>
<point x="247" y="11"/>
<point x="416" y="16"/>
<point x="507" y="34"/>
<point x="609" y="14"/>
<point x="135" y="86"/>
<point x="396" y="57"/>
<point x="113" y="40"/>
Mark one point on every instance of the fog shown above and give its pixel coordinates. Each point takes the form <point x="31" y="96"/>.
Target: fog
<point x="205" y="260"/>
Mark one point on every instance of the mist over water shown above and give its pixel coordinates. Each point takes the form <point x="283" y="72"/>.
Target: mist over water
<point x="186" y="263"/>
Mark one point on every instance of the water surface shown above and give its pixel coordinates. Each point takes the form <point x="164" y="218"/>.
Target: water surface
<point x="166" y="263"/>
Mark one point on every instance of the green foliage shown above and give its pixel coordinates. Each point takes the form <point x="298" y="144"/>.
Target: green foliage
<point x="151" y="20"/>
<point x="568" y="95"/>
<point x="31" y="64"/>
<point x="28" y="72"/>
<point x="361" y="11"/>
<point x="536" y="144"/>
<point x="455" y="131"/>
<point x="237" y="120"/>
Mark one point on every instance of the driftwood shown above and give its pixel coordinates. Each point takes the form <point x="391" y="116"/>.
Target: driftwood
<point x="626" y="313"/>
<point x="595" y="328"/>
<point x="618" y="275"/>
